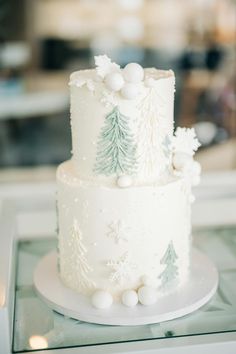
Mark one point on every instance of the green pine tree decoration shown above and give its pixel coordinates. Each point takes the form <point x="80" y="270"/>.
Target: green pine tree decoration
<point x="170" y="273"/>
<point x="115" y="149"/>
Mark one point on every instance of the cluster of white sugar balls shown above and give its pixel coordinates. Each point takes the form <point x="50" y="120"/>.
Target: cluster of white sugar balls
<point x="146" y="295"/>
<point x="126" y="81"/>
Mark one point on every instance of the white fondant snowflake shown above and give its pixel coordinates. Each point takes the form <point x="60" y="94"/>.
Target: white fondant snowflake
<point x="121" y="269"/>
<point x="109" y="99"/>
<point x="119" y="231"/>
<point x="104" y="65"/>
<point x="185" y="140"/>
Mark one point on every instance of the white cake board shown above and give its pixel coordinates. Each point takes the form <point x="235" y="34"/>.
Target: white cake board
<point x="197" y="291"/>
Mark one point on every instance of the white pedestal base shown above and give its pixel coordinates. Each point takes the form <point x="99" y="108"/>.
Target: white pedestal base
<point x="198" y="290"/>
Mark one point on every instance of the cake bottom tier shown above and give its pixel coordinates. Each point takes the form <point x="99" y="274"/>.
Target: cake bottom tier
<point x="121" y="238"/>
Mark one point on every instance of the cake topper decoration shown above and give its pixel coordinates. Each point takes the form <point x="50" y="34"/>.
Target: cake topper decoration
<point x="105" y="66"/>
<point x="114" y="81"/>
<point x="133" y="72"/>
<point x="126" y="81"/>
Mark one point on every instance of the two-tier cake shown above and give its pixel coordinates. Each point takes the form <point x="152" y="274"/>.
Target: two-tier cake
<point x="124" y="199"/>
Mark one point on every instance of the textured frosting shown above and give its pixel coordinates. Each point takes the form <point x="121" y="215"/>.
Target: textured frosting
<point x="118" y="240"/>
<point x="124" y="197"/>
<point x="149" y="117"/>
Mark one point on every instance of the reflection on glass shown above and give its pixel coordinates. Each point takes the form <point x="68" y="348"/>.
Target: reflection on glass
<point x="38" y="342"/>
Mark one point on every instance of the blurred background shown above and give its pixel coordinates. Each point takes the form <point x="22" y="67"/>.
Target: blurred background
<point x="42" y="41"/>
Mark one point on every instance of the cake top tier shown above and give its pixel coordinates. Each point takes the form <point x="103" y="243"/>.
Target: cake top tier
<point x="122" y="122"/>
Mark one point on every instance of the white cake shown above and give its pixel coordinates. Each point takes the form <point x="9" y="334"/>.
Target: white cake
<point x="124" y="199"/>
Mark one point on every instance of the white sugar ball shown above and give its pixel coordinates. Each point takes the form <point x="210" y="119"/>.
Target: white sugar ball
<point x="124" y="181"/>
<point x="196" y="168"/>
<point x="101" y="299"/>
<point x="133" y="72"/>
<point x="130" y="91"/>
<point x="129" y="298"/>
<point x="114" y="81"/>
<point x="147" y="295"/>
<point x="181" y="160"/>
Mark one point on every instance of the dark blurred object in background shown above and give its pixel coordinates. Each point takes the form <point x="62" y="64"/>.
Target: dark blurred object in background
<point x="41" y="42"/>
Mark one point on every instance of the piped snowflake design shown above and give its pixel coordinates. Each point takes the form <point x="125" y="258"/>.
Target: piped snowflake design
<point x="105" y="66"/>
<point x="121" y="269"/>
<point x="119" y="231"/>
<point x="185" y="140"/>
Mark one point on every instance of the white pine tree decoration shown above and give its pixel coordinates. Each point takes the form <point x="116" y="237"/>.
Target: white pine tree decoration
<point x="170" y="273"/>
<point x="151" y="131"/>
<point x="78" y="258"/>
<point x="115" y="149"/>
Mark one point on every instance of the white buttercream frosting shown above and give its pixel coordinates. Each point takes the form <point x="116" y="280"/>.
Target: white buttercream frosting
<point x="124" y="232"/>
<point x="149" y="115"/>
<point x="124" y="199"/>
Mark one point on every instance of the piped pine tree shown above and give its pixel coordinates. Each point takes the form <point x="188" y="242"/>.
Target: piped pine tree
<point x="115" y="149"/>
<point x="170" y="273"/>
<point x="151" y="131"/>
<point x="78" y="253"/>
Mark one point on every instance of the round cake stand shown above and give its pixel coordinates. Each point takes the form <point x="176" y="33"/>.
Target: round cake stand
<point x="198" y="290"/>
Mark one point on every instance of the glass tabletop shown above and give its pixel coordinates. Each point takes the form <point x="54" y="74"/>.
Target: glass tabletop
<point x="36" y="326"/>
